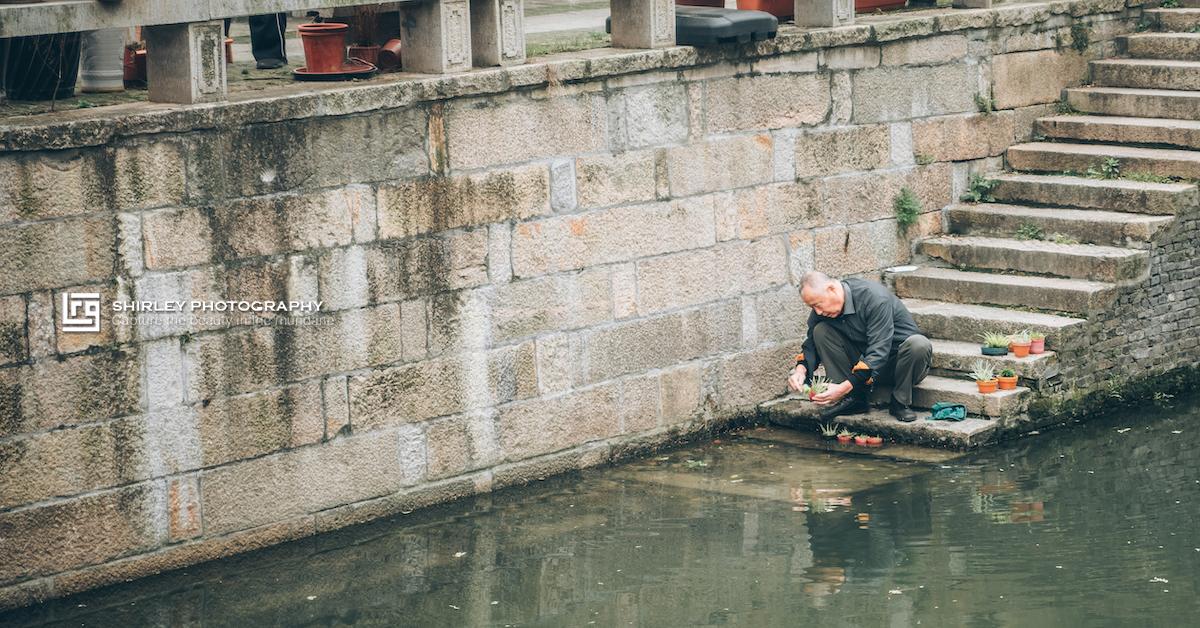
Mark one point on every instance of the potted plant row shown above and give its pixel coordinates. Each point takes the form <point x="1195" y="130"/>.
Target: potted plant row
<point x="1021" y="344"/>
<point x="844" y="436"/>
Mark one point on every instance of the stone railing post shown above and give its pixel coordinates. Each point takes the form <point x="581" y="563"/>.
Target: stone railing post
<point x="436" y="36"/>
<point x="497" y="32"/>
<point x="642" y="23"/>
<point x="824" y="12"/>
<point x="185" y="63"/>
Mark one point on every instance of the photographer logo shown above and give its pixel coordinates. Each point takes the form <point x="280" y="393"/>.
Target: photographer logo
<point x="81" y="312"/>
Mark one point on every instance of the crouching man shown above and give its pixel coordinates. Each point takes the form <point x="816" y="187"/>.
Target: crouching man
<point x="863" y="334"/>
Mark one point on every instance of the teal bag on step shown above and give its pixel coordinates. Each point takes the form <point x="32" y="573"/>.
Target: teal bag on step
<point x="946" y="411"/>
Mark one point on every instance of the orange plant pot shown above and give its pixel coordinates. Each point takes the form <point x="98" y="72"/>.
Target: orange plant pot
<point x="324" y="46"/>
<point x="1019" y="351"/>
<point x="987" y="386"/>
<point x="1007" y="383"/>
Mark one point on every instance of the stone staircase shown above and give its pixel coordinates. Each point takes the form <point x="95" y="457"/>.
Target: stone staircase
<point x="1143" y="111"/>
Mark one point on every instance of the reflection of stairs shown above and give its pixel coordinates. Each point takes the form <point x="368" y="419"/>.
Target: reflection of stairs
<point x="1142" y="112"/>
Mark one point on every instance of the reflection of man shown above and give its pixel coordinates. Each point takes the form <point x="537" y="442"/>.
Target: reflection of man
<point x="861" y="332"/>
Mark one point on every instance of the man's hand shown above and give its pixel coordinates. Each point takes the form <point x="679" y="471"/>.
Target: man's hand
<point x="834" y="393"/>
<point x="796" y="379"/>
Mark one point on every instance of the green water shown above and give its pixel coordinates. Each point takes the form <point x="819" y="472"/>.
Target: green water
<point x="1093" y="525"/>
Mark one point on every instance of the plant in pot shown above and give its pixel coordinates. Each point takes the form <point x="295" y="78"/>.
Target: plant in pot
<point x="1007" y="379"/>
<point x="830" y="430"/>
<point x="994" y="344"/>
<point x="985" y="377"/>
<point x="875" y="441"/>
<point x="861" y="439"/>
<point x="817" y="386"/>
<point x="1037" y="342"/>
<point x="1019" y="343"/>
<point x="845" y="436"/>
<point x="363" y="28"/>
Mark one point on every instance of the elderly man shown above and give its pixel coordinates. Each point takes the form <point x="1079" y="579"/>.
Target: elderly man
<point x="862" y="334"/>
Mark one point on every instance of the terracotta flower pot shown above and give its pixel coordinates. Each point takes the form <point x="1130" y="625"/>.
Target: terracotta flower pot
<point x="324" y="46"/>
<point x="1007" y="383"/>
<point x="778" y="8"/>
<point x="874" y="441"/>
<point x="869" y="6"/>
<point x="860" y="440"/>
<point x="389" y="55"/>
<point x="1037" y="346"/>
<point x="228" y="50"/>
<point x="370" y="54"/>
<point x="987" y="386"/>
<point x="134" y="70"/>
<point x="843" y="439"/>
<point x="1019" y="350"/>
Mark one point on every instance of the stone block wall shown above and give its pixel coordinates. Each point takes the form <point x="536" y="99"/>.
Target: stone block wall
<point x="523" y="270"/>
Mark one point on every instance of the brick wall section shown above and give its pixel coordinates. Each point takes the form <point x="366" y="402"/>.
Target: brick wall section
<point x="524" y="271"/>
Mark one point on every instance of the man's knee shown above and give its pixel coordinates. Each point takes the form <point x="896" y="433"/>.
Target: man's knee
<point x="917" y="345"/>
<point x="823" y="331"/>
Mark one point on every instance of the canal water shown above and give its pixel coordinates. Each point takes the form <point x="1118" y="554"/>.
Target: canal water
<point x="1095" y="524"/>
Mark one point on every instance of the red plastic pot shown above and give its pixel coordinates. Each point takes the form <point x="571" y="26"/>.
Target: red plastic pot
<point x="875" y="441"/>
<point x="134" y="69"/>
<point x="1037" y="346"/>
<point x="868" y="6"/>
<point x="324" y="46"/>
<point x="370" y="54"/>
<point x="844" y="439"/>
<point x="389" y="55"/>
<point x="860" y="440"/>
<point x="228" y="50"/>
<point x="778" y="8"/>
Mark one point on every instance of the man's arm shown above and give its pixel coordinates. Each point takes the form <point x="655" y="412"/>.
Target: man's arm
<point x="809" y="358"/>
<point x="880" y="330"/>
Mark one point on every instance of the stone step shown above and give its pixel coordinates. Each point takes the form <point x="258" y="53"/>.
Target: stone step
<point x="1147" y="73"/>
<point x="955" y="356"/>
<point x="1128" y="101"/>
<point x="1174" y="20"/>
<point x="935" y="388"/>
<point x="1111" y="194"/>
<point x="1046" y="293"/>
<point x="958" y="321"/>
<point x="801" y="416"/>
<point x="1093" y="226"/>
<point x="1082" y="261"/>
<point x="1182" y="46"/>
<point x="1063" y="157"/>
<point x="1122" y="130"/>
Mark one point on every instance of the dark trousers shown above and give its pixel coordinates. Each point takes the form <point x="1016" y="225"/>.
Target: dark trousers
<point x="905" y="368"/>
<point x="266" y="36"/>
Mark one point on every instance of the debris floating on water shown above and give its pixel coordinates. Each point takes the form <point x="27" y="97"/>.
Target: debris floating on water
<point x="1157" y="579"/>
<point x="1123" y="430"/>
<point x="311" y="598"/>
<point x="895" y="592"/>
<point x="459" y="554"/>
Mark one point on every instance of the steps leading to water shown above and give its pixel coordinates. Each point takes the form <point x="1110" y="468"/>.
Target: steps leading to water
<point x="1092" y="226"/>
<point x="1122" y="130"/>
<point x="1063" y="157"/>
<point x="1044" y="293"/>
<point x="1120" y="195"/>
<point x="1128" y="101"/>
<point x="1079" y="261"/>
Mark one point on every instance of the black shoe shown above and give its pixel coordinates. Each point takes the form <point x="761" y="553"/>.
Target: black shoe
<point x="271" y="64"/>
<point x="850" y="404"/>
<point x="903" y="413"/>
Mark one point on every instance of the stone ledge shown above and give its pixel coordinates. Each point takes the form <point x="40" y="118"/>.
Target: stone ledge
<point x="91" y="127"/>
<point x="967" y="434"/>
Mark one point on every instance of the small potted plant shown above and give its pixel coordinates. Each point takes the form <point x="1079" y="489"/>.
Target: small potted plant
<point x="861" y="439"/>
<point x="845" y="436"/>
<point x="830" y="430"/>
<point x="1037" y="342"/>
<point x="874" y="441"/>
<point x="994" y="344"/>
<point x="818" y="385"/>
<point x="1019" y="343"/>
<point x="985" y="377"/>
<point x="1007" y="379"/>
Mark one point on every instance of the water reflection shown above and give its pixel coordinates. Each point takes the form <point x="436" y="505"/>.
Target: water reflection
<point x="1092" y="525"/>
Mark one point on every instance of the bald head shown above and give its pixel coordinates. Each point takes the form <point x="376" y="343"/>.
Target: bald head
<point x="823" y="294"/>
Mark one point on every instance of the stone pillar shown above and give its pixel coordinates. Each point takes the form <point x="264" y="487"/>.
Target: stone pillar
<point x="436" y="36"/>
<point x="497" y="32"/>
<point x="185" y="63"/>
<point x="642" y="23"/>
<point x="824" y="12"/>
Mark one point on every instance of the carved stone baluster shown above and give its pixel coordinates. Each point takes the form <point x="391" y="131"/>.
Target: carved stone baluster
<point x="436" y="36"/>
<point x="185" y="63"/>
<point x="643" y="23"/>
<point x="498" y="32"/>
